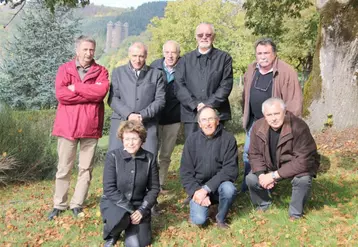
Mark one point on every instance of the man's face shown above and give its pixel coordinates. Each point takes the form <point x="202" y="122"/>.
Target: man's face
<point x="265" y="56"/>
<point x="204" y="36"/>
<point x="137" y="57"/>
<point x="274" y="115"/>
<point x="208" y="121"/>
<point x="171" y="55"/>
<point x="85" y="53"/>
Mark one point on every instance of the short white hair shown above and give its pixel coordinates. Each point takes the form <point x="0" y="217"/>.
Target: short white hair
<point x="177" y="46"/>
<point x="271" y="102"/>
<point x="205" y="23"/>
<point x="139" y="45"/>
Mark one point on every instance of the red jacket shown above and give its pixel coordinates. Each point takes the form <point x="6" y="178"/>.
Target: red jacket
<point x="80" y="114"/>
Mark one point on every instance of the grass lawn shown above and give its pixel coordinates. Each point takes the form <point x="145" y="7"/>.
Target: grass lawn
<point x="331" y="215"/>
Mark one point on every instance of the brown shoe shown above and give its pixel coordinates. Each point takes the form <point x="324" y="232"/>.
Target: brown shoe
<point x="293" y="218"/>
<point x="221" y="225"/>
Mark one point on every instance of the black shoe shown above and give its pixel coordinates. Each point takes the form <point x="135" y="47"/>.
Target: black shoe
<point x="55" y="213"/>
<point x="110" y="242"/>
<point x="76" y="211"/>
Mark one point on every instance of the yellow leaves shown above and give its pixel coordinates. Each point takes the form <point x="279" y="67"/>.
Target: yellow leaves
<point x="4" y="154"/>
<point x="19" y="130"/>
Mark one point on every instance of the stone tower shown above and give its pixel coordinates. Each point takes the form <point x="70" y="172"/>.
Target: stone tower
<point x="116" y="33"/>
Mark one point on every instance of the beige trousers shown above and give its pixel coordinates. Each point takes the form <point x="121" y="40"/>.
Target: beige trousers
<point x="66" y="150"/>
<point x="167" y="137"/>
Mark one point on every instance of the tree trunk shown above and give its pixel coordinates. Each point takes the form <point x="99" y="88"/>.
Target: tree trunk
<point x="332" y="88"/>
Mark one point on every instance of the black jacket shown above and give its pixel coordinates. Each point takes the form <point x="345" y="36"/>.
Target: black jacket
<point x="208" y="161"/>
<point x="211" y="85"/>
<point x="131" y="183"/>
<point x="171" y="112"/>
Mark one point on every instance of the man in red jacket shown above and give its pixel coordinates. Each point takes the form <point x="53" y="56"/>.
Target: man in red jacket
<point x="81" y="86"/>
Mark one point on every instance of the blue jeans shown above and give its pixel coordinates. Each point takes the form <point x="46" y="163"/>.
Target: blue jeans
<point x="245" y="156"/>
<point x="226" y="194"/>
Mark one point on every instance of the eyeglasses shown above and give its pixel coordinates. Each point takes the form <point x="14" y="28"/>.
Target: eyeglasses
<point x="134" y="139"/>
<point x="260" y="88"/>
<point x="201" y="35"/>
<point x="208" y="120"/>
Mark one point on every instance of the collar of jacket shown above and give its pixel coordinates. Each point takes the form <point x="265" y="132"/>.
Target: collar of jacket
<point x="72" y="69"/>
<point x="216" y="133"/>
<point x="286" y="131"/>
<point x="209" y="54"/>
<point x="139" y="155"/>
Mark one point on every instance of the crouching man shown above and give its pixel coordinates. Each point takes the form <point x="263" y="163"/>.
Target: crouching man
<point x="209" y="167"/>
<point x="282" y="147"/>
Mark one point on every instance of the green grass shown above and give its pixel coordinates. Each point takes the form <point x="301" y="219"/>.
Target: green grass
<point x="331" y="214"/>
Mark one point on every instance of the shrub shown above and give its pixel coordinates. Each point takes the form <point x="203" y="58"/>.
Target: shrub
<point x="235" y="124"/>
<point x="26" y="146"/>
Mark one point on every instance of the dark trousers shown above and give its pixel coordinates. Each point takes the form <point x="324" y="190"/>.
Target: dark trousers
<point x="301" y="188"/>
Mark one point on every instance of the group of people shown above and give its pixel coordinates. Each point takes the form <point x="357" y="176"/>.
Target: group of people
<point x="149" y="104"/>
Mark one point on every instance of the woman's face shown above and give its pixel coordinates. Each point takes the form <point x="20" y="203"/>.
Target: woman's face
<point x="131" y="142"/>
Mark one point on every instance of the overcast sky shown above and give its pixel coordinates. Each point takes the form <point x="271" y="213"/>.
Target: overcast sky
<point x="120" y="3"/>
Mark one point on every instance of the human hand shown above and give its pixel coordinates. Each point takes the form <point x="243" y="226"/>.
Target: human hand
<point x="135" y="117"/>
<point x="199" y="196"/>
<point x="266" y="181"/>
<point x="206" y="202"/>
<point x="136" y="217"/>
<point x="71" y="87"/>
<point x="200" y="105"/>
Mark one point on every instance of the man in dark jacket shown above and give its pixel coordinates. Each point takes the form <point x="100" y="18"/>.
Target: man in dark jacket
<point x="136" y="93"/>
<point x="282" y="147"/>
<point x="204" y="77"/>
<point x="267" y="77"/>
<point x="209" y="167"/>
<point x="169" y="118"/>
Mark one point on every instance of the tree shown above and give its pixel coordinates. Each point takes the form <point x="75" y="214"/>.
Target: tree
<point x="181" y="18"/>
<point x="331" y="92"/>
<point x="42" y="42"/>
<point x="292" y="24"/>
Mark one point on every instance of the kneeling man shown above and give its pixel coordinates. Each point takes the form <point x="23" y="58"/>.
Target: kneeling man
<point x="282" y="147"/>
<point x="209" y="167"/>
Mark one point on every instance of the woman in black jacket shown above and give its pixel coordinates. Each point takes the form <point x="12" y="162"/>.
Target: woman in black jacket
<point x="130" y="188"/>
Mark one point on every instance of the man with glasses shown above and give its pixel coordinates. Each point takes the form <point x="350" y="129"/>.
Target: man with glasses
<point x="267" y="77"/>
<point x="204" y="78"/>
<point x="208" y="169"/>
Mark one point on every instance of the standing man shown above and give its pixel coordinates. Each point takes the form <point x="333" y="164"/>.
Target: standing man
<point x="136" y="93"/>
<point x="81" y="86"/>
<point x="282" y="147"/>
<point x="169" y="119"/>
<point x="204" y="78"/>
<point x="209" y="168"/>
<point x="267" y="77"/>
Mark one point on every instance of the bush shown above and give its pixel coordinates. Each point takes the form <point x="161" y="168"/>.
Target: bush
<point x="27" y="149"/>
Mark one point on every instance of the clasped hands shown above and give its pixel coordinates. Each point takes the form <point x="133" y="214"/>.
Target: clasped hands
<point x="202" y="198"/>
<point x="135" y="117"/>
<point x="266" y="181"/>
<point x="136" y="217"/>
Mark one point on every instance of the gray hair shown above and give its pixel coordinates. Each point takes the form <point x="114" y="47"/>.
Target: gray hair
<point x="173" y="42"/>
<point x="266" y="41"/>
<point x="139" y="45"/>
<point x="83" y="38"/>
<point x="205" y="23"/>
<point x="206" y="107"/>
<point x="271" y="102"/>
